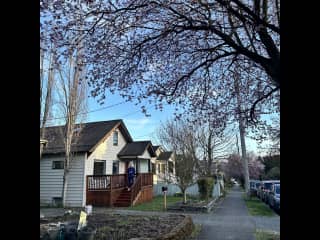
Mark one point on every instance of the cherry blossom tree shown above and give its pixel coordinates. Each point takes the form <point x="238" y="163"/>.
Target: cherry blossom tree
<point x="234" y="169"/>
<point x="177" y="52"/>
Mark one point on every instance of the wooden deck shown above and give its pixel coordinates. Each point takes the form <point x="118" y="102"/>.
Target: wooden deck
<point x="111" y="190"/>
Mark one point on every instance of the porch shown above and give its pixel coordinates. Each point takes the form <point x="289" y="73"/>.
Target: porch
<point x="111" y="190"/>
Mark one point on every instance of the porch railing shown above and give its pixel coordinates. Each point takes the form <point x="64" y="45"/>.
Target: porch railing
<point x="136" y="188"/>
<point x="106" y="182"/>
<point x="101" y="182"/>
<point x="143" y="179"/>
<point x="146" y="179"/>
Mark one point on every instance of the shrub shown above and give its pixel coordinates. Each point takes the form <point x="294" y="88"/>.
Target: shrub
<point x="274" y="173"/>
<point x="205" y="187"/>
<point x="180" y="194"/>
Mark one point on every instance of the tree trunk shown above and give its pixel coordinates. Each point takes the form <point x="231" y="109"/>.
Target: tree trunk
<point x="48" y="101"/>
<point x="64" y="188"/>
<point x="242" y="138"/>
<point x="184" y="196"/>
<point x="65" y="180"/>
<point x="244" y="156"/>
<point x="210" y="160"/>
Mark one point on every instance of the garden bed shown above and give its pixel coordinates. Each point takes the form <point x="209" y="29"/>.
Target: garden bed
<point x="194" y="206"/>
<point x="121" y="227"/>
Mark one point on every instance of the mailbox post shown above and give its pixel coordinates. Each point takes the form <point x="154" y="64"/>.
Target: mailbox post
<point x="164" y="190"/>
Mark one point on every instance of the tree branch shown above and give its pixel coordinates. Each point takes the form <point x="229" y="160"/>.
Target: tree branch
<point x="252" y="110"/>
<point x="210" y="61"/>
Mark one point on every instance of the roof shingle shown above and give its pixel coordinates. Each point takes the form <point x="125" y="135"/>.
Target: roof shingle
<point x="91" y="133"/>
<point x="136" y="149"/>
<point x="164" y="156"/>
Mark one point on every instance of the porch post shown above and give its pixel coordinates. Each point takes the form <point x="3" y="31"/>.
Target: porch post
<point x="111" y="203"/>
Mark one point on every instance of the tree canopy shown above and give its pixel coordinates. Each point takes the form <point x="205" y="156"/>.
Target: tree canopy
<point x="176" y="52"/>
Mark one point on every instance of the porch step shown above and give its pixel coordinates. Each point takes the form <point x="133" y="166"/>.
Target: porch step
<point x="117" y="204"/>
<point x="124" y="199"/>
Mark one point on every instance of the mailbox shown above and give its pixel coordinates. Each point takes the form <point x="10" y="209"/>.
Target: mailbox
<point x="164" y="189"/>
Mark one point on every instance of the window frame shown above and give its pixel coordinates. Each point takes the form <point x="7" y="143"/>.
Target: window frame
<point x="117" y="162"/>
<point x="54" y="166"/>
<point x="115" y="138"/>
<point x="104" y="166"/>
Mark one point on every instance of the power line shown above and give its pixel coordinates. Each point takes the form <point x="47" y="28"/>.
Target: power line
<point x="96" y="110"/>
<point x="148" y="134"/>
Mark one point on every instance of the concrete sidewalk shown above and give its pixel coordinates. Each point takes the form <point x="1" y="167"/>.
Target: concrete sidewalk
<point x="230" y="220"/>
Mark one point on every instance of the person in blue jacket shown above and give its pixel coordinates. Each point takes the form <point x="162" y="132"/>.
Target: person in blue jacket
<point x="131" y="174"/>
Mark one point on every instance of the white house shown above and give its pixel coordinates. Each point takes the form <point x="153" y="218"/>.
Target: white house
<point x="98" y="167"/>
<point x="163" y="166"/>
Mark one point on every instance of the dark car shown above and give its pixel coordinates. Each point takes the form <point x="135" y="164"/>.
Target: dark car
<point x="266" y="188"/>
<point x="274" y="197"/>
<point x="254" y="185"/>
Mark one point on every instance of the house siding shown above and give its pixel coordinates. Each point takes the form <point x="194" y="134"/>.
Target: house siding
<point x="106" y="151"/>
<point x="51" y="180"/>
<point x="144" y="163"/>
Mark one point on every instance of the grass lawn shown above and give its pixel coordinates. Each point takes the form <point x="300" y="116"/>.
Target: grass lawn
<point x="263" y="235"/>
<point x="258" y="208"/>
<point x="156" y="204"/>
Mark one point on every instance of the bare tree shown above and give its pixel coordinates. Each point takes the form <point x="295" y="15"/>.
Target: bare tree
<point x="214" y="145"/>
<point x="72" y="92"/>
<point x="46" y="90"/>
<point x="180" y="137"/>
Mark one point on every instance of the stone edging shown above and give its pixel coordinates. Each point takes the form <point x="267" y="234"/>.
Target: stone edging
<point x="207" y="208"/>
<point x="180" y="232"/>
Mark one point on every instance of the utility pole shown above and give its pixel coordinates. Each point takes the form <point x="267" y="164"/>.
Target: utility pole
<point x="237" y="144"/>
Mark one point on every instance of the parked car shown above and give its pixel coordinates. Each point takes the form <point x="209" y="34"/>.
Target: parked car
<point x="266" y="187"/>
<point x="259" y="190"/>
<point x="274" y="197"/>
<point x="254" y="184"/>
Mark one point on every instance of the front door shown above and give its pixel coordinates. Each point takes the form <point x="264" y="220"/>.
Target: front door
<point x="137" y="165"/>
<point x="126" y="167"/>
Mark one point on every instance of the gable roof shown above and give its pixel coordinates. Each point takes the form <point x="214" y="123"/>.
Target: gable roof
<point x="90" y="136"/>
<point x="136" y="149"/>
<point x="164" y="156"/>
<point x="155" y="148"/>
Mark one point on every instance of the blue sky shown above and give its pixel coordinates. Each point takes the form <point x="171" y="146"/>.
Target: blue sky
<point x="139" y="126"/>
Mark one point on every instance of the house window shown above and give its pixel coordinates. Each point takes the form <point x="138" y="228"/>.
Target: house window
<point x="153" y="168"/>
<point x="115" y="167"/>
<point x="57" y="201"/>
<point x="162" y="168"/>
<point x="149" y="166"/>
<point x="57" y="164"/>
<point x="170" y="167"/>
<point x="115" y="138"/>
<point x="99" y="167"/>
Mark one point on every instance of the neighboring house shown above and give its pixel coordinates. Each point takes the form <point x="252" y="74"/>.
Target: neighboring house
<point x="98" y="168"/>
<point x="163" y="166"/>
